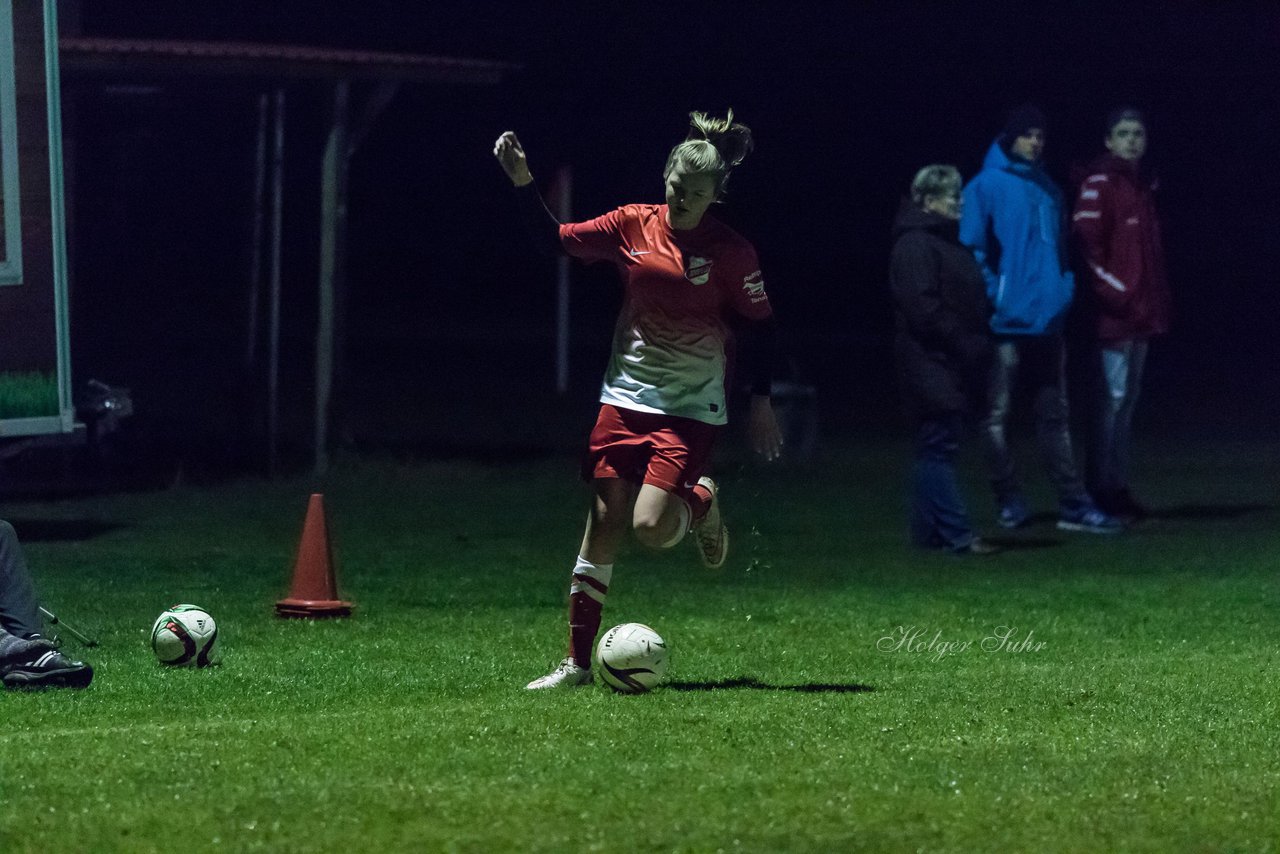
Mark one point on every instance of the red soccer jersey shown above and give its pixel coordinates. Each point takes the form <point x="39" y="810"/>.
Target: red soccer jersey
<point x="680" y="286"/>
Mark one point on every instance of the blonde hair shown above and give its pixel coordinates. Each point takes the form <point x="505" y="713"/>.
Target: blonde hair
<point x="934" y="180"/>
<point x="713" y="147"/>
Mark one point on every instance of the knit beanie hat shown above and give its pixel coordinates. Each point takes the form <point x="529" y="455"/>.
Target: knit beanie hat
<point x="1023" y="119"/>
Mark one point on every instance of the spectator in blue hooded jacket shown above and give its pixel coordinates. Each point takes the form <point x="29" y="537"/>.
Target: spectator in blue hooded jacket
<point x="1013" y="221"/>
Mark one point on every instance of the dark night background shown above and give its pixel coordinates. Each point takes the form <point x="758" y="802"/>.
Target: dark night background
<point x="450" y="319"/>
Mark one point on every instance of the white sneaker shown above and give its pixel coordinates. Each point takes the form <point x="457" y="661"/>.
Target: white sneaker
<point x="709" y="533"/>
<point x="566" y="675"/>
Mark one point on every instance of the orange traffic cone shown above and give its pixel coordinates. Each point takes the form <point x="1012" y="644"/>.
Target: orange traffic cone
<point x="314" y="592"/>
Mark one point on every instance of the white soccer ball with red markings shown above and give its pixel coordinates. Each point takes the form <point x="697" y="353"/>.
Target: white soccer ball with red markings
<point x="631" y="658"/>
<point x="186" y="636"/>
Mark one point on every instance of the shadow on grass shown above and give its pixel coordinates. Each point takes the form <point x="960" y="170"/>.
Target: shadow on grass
<point x="61" y="530"/>
<point x="1209" y="511"/>
<point x="1017" y="544"/>
<point x="756" y="684"/>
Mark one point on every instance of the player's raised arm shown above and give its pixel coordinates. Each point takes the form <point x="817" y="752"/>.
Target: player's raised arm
<point x="543" y="227"/>
<point x="511" y="156"/>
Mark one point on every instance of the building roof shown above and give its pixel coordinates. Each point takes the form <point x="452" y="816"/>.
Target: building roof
<point x="105" y="56"/>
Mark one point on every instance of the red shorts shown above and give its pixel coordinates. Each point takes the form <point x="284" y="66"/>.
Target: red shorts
<point x="648" y="447"/>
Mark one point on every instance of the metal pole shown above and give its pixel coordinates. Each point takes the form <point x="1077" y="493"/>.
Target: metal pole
<point x="333" y="208"/>
<point x="78" y="635"/>
<point x="57" y="215"/>
<point x="273" y="369"/>
<point x="259" y="217"/>
<point x="564" y="185"/>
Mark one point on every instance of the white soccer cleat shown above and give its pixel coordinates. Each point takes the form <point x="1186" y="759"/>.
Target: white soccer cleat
<point x="566" y="675"/>
<point x="709" y="533"/>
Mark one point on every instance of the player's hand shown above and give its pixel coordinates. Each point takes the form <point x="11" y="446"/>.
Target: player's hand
<point x="510" y="154"/>
<point x="762" y="428"/>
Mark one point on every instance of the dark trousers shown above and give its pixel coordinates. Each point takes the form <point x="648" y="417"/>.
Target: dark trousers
<point x="1122" y="364"/>
<point x="19" y="609"/>
<point x="938" y="515"/>
<point x="1040" y="362"/>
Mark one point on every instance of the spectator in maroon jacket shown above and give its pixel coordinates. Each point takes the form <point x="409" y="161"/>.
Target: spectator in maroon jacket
<point x="1117" y="236"/>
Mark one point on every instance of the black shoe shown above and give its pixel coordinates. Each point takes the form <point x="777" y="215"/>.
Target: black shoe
<point x="50" y="669"/>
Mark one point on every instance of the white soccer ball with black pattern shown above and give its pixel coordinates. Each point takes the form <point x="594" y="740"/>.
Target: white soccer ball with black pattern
<point x="186" y="636"/>
<point x="631" y="658"/>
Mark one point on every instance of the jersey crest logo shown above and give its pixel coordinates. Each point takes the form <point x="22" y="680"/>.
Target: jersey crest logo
<point x="753" y="284"/>
<point x="698" y="270"/>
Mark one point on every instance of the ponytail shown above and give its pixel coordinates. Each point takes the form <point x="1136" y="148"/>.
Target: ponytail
<point x="731" y="139"/>
<point x="714" y="146"/>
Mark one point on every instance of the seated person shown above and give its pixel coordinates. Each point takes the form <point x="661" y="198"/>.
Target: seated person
<point x="28" y="660"/>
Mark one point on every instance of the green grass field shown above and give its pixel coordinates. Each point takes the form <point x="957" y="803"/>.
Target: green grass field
<point x="1138" y="711"/>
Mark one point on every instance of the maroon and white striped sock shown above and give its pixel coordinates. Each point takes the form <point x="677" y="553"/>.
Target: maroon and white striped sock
<point x="586" y="602"/>
<point x="700" y="502"/>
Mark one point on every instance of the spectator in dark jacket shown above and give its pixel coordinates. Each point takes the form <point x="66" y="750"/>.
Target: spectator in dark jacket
<point x="942" y="349"/>
<point x="1117" y="237"/>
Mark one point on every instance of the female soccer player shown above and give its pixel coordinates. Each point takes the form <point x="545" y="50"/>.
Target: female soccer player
<point x="692" y="289"/>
